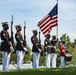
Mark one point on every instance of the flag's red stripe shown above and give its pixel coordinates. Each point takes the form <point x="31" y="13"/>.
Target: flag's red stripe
<point x="54" y="22"/>
<point x="45" y="23"/>
<point x="48" y="21"/>
<point x="45" y="27"/>
<point x="49" y="25"/>
<point x="54" y="25"/>
<point x="46" y="31"/>
<point x="44" y="19"/>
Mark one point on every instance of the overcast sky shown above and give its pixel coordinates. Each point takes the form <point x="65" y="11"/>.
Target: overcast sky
<point x="34" y="10"/>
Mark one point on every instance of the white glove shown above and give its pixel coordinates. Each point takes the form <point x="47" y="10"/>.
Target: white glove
<point x="12" y="49"/>
<point x="45" y="52"/>
<point x="25" y="49"/>
<point x="39" y="50"/>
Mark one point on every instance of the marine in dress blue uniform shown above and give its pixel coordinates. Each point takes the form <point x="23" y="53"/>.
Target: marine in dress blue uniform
<point x="19" y="47"/>
<point x="6" y="47"/>
<point x="47" y="50"/>
<point x="35" y="49"/>
<point x="53" y="51"/>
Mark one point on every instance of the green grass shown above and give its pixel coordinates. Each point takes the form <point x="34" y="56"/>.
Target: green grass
<point x="51" y="71"/>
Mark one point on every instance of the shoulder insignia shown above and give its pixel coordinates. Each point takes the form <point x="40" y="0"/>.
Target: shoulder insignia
<point x="4" y="34"/>
<point x="33" y="39"/>
<point x="18" y="36"/>
<point x="46" y="42"/>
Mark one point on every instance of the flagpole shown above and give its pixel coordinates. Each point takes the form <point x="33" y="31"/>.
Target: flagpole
<point x="57" y="24"/>
<point x="57" y="31"/>
<point x="39" y="37"/>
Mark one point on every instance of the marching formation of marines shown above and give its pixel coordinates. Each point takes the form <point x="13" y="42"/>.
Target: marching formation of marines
<point x="20" y="48"/>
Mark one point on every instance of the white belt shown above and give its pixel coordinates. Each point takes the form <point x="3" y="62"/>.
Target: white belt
<point x="21" y="41"/>
<point x="48" y="46"/>
<point x="54" y="46"/>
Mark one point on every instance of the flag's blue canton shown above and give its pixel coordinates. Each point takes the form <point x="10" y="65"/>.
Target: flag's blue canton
<point x="54" y="11"/>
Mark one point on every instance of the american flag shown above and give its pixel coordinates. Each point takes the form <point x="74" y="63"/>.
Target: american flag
<point x="49" y="21"/>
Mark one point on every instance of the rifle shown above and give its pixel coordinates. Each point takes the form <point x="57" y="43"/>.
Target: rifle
<point x="12" y="39"/>
<point x="40" y="44"/>
<point x="39" y="41"/>
<point x="24" y="41"/>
